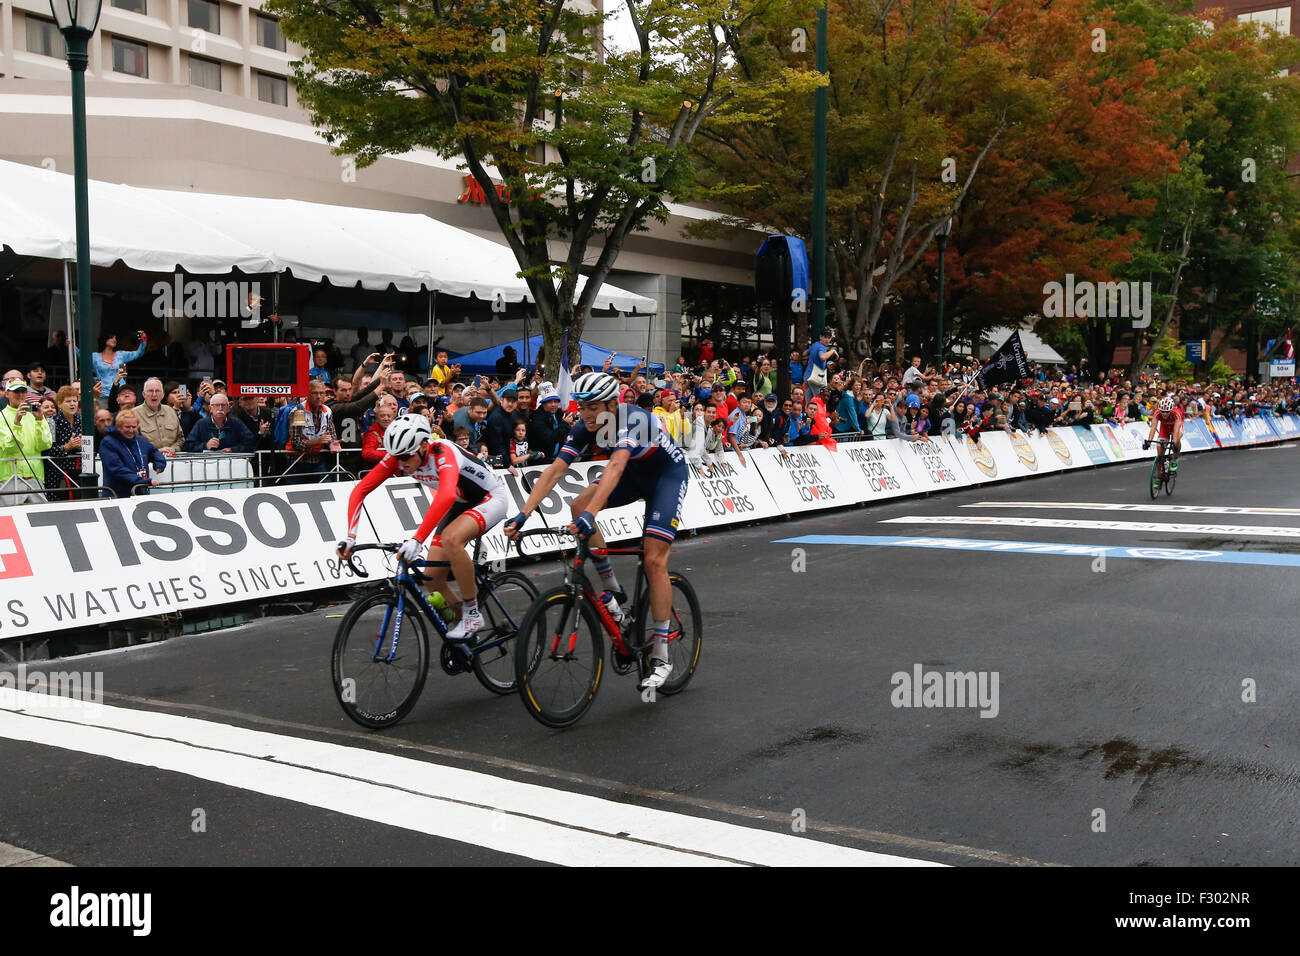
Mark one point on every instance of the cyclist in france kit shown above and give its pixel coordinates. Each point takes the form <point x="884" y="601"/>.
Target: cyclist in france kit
<point x="468" y="499"/>
<point x="1169" y="420"/>
<point x="645" y="464"/>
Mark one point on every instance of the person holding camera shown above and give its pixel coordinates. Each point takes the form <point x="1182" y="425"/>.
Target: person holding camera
<point x="24" y="434"/>
<point x="819" y="353"/>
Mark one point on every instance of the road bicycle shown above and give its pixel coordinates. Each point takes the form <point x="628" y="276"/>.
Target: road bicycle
<point x="1161" y="473"/>
<point x="381" y="652"/>
<point x="560" y="652"/>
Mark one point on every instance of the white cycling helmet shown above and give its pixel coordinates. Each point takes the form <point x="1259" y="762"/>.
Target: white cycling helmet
<point x="406" y="434"/>
<point x="595" y="387"/>
<point x="1167" y="403"/>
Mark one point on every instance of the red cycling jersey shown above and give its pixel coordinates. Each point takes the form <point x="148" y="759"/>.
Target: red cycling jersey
<point x="1165" y="422"/>
<point x="452" y="474"/>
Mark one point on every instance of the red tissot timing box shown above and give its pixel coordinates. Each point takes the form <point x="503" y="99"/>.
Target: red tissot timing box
<point x="267" y="368"/>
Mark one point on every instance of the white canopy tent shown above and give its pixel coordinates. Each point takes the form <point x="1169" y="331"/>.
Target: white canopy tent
<point x="159" y="230"/>
<point x="1036" y="350"/>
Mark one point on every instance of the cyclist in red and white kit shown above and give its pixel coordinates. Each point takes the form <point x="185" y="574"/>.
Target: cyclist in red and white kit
<point x="468" y="499"/>
<point x="1168" y="420"/>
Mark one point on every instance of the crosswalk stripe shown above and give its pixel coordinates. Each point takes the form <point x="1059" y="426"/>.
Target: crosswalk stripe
<point x="505" y="815"/>
<point x="1215" y="530"/>
<point x="1115" y="506"/>
<point x="1053" y="548"/>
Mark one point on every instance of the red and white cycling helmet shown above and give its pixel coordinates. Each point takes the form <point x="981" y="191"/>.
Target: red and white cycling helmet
<point x="405" y="435"/>
<point x="1167" y="403"/>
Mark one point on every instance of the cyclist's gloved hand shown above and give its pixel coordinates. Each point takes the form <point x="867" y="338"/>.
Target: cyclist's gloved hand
<point x="518" y="521"/>
<point x="411" y="550"/>
<point x="1146" y="444"/>
<point x="586" y="524"/>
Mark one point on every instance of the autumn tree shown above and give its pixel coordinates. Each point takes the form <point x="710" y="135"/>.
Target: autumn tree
<point x="1070" y="192"/>
<point x="918" y="97"/>
<point x="590" y="143"/>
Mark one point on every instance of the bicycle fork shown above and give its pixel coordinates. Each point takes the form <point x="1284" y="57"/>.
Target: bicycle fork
<point x="395" y="617"/>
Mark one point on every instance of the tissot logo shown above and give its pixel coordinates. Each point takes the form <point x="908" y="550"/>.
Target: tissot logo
<point x="13" y="556"/>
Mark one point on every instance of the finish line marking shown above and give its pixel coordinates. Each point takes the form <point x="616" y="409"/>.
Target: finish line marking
<point x="1218" y="530"/>
<point x="1042" y="547"/>
<point x="524" y="819"/>
<point x="1112" y="506"/>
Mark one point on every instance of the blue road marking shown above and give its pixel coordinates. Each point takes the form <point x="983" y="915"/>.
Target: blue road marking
<point x="1043" y="547"/>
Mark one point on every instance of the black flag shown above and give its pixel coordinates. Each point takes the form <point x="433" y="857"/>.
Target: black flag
<point x="1007" y="364"/>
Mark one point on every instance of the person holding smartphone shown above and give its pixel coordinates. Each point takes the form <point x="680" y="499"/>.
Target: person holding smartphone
<point x="108" y="359"/>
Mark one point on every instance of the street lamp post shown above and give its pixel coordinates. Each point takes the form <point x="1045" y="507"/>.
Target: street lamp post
<point x="77" y="20"/>
<point x="819" y="183"/>
<point x="942" y="238"/>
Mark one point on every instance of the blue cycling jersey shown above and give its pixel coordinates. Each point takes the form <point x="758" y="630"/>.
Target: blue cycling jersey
<point x="632" y="428"/>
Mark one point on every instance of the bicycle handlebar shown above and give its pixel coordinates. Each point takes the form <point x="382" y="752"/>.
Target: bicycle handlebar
<point x="520" y="536"/>
<point x="391" y="549"/>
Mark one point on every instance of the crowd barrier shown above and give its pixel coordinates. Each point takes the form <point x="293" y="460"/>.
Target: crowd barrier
<point x="79" y="564"/>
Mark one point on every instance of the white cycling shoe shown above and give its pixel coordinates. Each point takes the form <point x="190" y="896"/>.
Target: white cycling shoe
<point x="465" y="628"/>
<point x="658" y="674"/>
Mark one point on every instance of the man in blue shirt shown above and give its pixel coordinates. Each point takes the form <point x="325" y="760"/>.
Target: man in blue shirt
<point x="219" y="432"/>
<point x="819" y="353"/>
<point x="796" y="369"/>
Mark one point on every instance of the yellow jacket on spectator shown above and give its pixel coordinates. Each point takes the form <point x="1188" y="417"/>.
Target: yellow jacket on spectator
<point x="25" y="440"/>
<point x="443" y="376"/>
<point x="674" y="423"/>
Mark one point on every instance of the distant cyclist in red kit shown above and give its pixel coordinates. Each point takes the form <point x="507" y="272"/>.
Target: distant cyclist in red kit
<point x="1168" y="420"/>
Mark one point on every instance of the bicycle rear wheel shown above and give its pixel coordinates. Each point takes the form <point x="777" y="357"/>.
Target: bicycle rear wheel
<point x="686" y="622"/>
<point x="503" y="605"/>
<point x="373" y="690"/>
<point x="559" y="658"/>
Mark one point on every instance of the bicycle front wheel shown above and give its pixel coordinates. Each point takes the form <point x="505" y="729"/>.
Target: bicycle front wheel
<point x="378" y="669"/>
<point x="503" y="604"/>
<point x="1155" y="477"/>
<point x="559" y="658"/>
<point x="686" y="630"/>
<point x="1169" y="482"/>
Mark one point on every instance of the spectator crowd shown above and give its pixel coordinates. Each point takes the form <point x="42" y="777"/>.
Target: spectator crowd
<point x="711" y="407"/>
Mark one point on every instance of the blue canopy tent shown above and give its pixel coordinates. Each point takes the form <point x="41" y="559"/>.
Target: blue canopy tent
<point x="484" y="361"/>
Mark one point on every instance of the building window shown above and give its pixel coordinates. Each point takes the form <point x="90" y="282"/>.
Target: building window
<point x="205" y="15"/>
<point x="205" y="73"/>
<point x="43" y="37"/>
<point x="129" y="57"/>
<point x="1279" y="18"/>
<point x="135" y="6"/>
<point x="268" y="33"/>
<point x="273" y="89"/>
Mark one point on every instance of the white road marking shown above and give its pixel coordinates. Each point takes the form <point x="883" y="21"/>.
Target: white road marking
<point x="1216" y="530"/>
<point x="508" y="816"/>
<point x="1114" y="506"/>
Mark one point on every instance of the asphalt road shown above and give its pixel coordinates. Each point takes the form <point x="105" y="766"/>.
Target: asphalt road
<point x="1139" y="708"/>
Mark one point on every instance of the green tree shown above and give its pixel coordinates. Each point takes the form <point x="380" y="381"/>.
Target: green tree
<point x="589" y="143"/>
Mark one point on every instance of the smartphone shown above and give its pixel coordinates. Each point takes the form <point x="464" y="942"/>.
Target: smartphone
<point x="478" y="380"/>
<point x="184" y="391"/>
